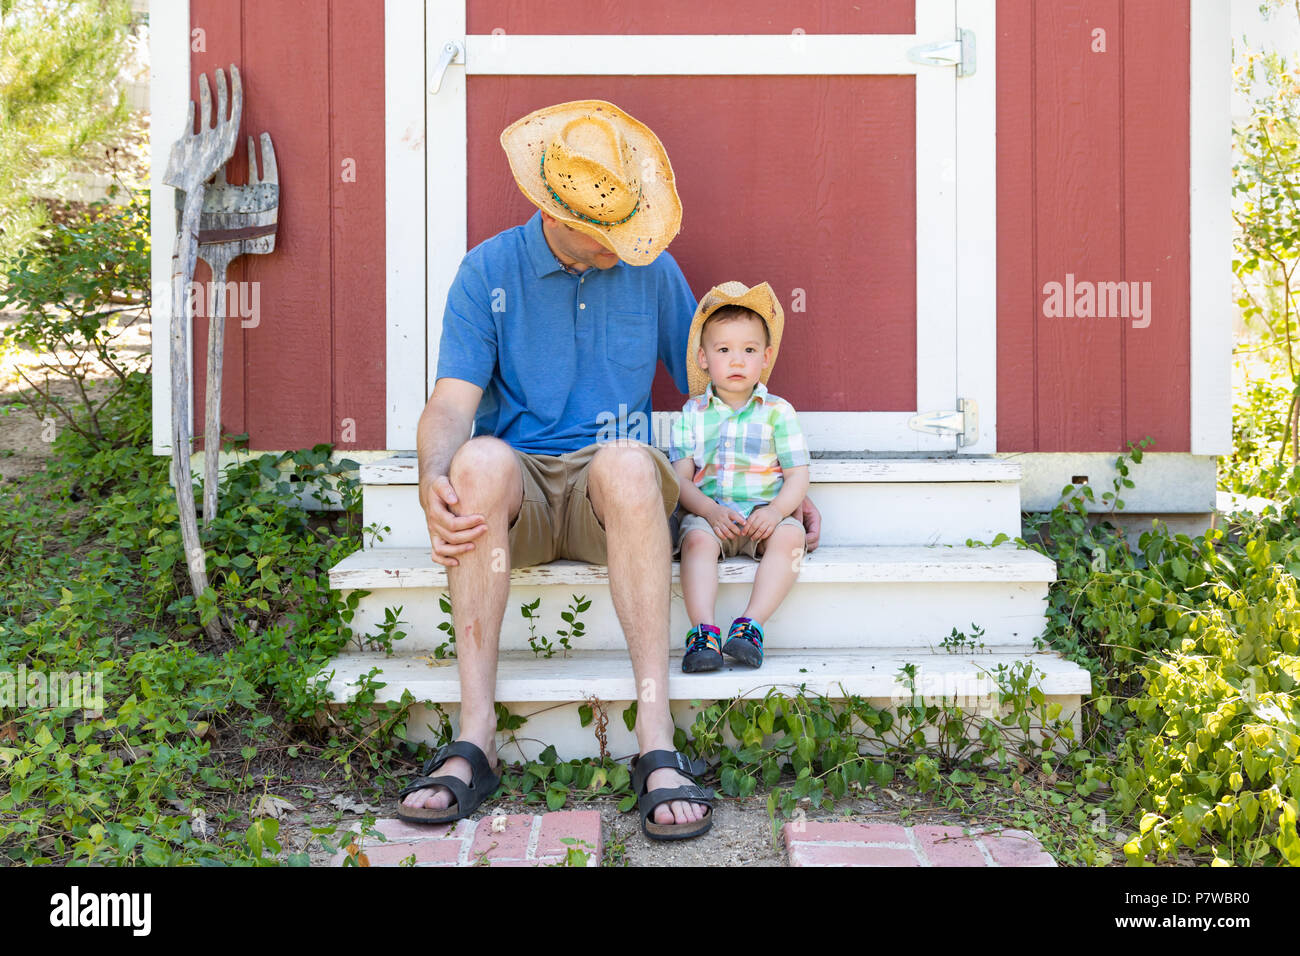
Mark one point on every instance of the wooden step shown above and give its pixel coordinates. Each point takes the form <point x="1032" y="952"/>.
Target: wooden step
<point x="846" y="597"/>
<point x="876" y="501"/>
<point x="548" y="692"/>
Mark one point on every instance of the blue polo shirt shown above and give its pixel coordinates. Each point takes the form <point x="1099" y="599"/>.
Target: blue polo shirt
<point x="564" y="359"/>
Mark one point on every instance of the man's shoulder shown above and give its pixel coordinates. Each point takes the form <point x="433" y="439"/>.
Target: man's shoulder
<point x="505" y="242"/>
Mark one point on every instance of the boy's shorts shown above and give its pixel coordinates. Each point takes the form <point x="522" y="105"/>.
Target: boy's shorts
<point x="556" y="518"/>
<point x="741" y="544"/>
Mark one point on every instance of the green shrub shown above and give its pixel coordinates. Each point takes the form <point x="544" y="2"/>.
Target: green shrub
<point x="70" y="291"/>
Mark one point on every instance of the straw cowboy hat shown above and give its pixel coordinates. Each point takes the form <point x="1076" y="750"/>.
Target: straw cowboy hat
<point x="590" y="165"/>
<point x="759" y="298"/>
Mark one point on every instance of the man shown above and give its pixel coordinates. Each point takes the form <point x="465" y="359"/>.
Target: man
<point x="552" y="329"/>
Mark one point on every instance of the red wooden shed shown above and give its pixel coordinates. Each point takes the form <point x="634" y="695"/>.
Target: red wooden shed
<point x="1010" y="216"/>
<point x="999" y="228"/>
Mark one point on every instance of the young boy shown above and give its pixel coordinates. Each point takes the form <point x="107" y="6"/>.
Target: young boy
<point x="742" y="464"/>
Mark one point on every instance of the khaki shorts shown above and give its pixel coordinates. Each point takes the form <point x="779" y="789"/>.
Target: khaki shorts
<point x="741" y="544"/>
<point x="556" y="519"/>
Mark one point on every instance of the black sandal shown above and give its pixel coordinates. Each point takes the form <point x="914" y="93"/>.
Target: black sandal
<point x="468" y="798"/>
<point x="647" y="764"/>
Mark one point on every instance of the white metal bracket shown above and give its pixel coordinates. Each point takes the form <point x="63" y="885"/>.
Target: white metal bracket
<point x="959" y="53"/>
<point x="964" y="422"/>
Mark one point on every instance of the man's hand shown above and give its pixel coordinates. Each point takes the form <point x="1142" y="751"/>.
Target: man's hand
<point x="812" y="524"/>
<point x="450" y="534"/>
<point x="762" y="522"/>
<point x="726" y="522"/>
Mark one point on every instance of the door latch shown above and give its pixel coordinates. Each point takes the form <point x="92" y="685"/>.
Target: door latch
<point x="451" y="52"/>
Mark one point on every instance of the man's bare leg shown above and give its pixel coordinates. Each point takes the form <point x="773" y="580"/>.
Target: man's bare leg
<point x="485" y="474"/>
<point x="626" y="498"/>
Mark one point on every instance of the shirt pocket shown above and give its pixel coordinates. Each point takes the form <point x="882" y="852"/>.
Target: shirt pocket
<point x="630" y="340"/>
<point x="758" y="440"/>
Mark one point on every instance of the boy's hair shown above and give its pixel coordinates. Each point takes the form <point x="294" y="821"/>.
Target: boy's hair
<point x="730" y="313"/>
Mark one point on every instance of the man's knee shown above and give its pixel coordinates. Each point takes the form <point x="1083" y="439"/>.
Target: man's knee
<point x="625" y="472"/>
<point x="483" y="469"/>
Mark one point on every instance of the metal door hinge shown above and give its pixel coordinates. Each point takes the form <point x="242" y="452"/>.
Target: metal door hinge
<point x="964" y="422"/>
<point x="959" y="53"/>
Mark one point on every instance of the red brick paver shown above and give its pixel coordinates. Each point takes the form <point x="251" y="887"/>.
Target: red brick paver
<point x="844" y="843"/>
<point x="518" y="839"/>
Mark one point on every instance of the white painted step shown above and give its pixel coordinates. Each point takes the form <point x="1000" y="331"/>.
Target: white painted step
<point x="863" y="501"/>
<point x="548" y="691"/>
<point x="846" y="597"/>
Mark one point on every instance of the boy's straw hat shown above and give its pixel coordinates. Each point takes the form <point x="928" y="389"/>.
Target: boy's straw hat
<point x="759" y="298"/>
<point x="590" y="165"/>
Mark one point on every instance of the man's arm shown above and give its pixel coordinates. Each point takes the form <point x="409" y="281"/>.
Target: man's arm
<point x="792" y="452"/>
<point x="444" y="426"/>
<point x="676" y="309"/>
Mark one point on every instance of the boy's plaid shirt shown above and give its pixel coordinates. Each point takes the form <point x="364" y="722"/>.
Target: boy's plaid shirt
<point x="739" y="455"/>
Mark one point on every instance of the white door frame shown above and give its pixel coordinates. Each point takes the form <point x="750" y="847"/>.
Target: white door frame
<point x="955" y="204"/>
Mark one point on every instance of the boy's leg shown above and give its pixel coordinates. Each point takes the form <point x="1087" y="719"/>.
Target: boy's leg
<point x="699" y="573"/>
<point x="777" y="570"/>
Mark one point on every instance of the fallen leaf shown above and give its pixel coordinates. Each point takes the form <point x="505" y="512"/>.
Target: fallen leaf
<point x="9" y="733"/>
<point x="893" y="794"/>
<point x="348" y="805"/>
<point x="436" y="662"/>
<point x="271" y="806"/>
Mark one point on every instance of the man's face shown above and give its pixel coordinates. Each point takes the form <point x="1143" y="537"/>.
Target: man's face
<point x="576" y="249"/>
<point x="733" y="353"/>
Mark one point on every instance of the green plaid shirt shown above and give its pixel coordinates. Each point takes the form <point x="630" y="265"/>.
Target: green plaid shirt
<point x="739" y="455"/>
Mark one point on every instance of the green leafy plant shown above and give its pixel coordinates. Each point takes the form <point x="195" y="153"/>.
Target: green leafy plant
<point x="540" y="643"/>
<point x="959" y="642"/>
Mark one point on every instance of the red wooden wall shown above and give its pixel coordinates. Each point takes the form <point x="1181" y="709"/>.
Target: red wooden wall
<point x="1092" y="180"/>
<point x="313" y="75"/>
<point x="1093" y="158"/>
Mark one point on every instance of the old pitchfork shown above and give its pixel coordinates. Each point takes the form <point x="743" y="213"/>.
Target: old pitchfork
<point x="194" y="159"/>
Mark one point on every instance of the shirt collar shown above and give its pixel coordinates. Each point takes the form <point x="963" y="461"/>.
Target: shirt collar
<point x="544" y="260"/>
<point x="759" y="394"/>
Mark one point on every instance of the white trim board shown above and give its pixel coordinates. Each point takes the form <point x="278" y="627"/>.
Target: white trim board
<point x="1210" y="178"/>
<point x="977" y="225"/>
<point x="404" y="211"/>
<point x="956" y="296"/>
<point x="169" y="85"/>
<point x="738" y="54"/>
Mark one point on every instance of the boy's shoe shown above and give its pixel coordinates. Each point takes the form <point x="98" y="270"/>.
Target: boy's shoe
<point x="703" y="649"/>
<point x="745" y="642"/>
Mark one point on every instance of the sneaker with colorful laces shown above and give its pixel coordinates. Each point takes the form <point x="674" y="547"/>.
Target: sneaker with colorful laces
<point x="745" y="642"/>
<point x="703" y="649"/>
